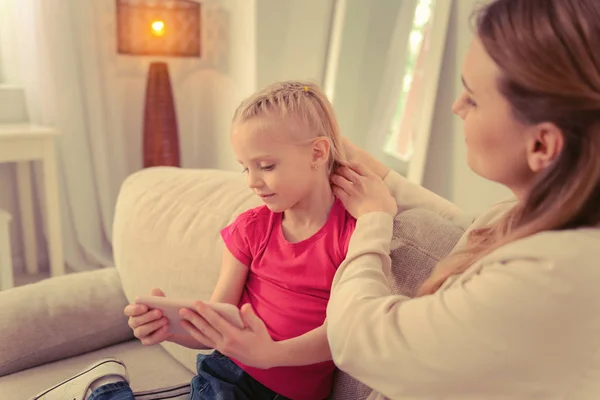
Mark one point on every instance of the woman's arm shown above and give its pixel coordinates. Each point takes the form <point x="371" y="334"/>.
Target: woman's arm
<point x="496" y="332"/>
<point x="406" y="193"/>
<point x="491" y="334"/>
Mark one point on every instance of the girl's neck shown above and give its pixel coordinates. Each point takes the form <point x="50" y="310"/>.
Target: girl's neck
<point x="312" y="211"/>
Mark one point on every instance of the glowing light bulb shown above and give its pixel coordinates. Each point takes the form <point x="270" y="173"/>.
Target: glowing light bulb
<point x="158" y="28"/>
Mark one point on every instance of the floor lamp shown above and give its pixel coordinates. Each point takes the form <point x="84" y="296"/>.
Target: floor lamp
<point x="166" y="28"/>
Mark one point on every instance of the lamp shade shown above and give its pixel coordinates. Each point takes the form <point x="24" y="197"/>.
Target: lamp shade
<point x="158" y="27"/>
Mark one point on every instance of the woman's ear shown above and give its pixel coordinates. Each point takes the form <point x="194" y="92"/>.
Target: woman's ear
<point x="544" y="146"/>
<point x="320" y="151"/>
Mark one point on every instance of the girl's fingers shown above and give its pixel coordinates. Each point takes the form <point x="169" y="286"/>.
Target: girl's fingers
<point x="141" y="332"/>
<point x="196" y="334"/>
<point x="201" y="325"/>
<point x="143" y="319"/>
<point x="134" y="310"/>
<point x="156" y="337"/>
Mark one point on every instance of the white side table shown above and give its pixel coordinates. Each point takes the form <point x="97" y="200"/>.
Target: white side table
<point x="6" y="268"/>
<point x="23" y="143"/>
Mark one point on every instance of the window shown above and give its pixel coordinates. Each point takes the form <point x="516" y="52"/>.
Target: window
<point x="399" y="143"/>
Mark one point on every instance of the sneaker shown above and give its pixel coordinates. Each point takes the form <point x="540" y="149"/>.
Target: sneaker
<point x="77" y="387"/>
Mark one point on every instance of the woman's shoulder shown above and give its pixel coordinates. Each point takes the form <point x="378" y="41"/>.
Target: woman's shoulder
<point x="494" y="213"/>
<point x="558" y="265"/>
<point x="580" y="242"/>
<point x="566" y="253"/>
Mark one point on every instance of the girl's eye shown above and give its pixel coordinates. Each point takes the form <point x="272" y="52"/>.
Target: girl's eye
<point x="268" y="167"/>
<point x="245" y="171"/>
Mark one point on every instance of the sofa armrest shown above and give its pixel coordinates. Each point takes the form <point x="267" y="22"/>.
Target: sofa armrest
<point x="61" y="317"/>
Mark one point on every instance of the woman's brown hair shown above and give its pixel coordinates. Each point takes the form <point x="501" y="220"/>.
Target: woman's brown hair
<point x="549" y="58"/>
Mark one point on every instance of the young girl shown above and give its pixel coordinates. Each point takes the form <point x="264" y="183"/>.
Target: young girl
<point x="278" y="263"/>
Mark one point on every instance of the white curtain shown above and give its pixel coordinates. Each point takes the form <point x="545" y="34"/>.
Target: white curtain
<point x="64" y="75"/>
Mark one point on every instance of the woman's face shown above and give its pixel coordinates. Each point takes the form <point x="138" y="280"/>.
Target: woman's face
<point x="496" y="141"/>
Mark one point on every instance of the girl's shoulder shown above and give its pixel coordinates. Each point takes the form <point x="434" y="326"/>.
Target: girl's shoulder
<point x="254" y="214"/>
<point x="254" y="220"/>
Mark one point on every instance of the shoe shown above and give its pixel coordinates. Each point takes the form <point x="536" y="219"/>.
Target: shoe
<point x="77" y="387"/>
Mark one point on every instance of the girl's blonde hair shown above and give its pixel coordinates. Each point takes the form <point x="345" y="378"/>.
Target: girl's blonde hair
<point x="303" y="103"/>
<point x="561" y="86"/>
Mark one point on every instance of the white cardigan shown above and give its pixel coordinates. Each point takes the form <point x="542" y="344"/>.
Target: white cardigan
<point x="522" y="323"/>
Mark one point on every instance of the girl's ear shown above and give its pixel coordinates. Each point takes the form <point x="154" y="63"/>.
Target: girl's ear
<point x="321" y="148"/>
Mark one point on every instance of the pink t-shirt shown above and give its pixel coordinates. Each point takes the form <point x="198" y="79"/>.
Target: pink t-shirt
<point x="288" y="286"/>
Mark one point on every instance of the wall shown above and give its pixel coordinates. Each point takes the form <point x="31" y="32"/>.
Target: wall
<point x="447" y="172"/>
<point x="292" y="40"/>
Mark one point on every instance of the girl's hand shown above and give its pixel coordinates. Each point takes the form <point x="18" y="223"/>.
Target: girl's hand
<point x="361" y="191"/>
<point x="252" y="345"/>
<point x="149" y="326"/>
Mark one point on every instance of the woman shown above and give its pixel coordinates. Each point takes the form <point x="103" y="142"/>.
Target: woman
<point x="514" y="313"/>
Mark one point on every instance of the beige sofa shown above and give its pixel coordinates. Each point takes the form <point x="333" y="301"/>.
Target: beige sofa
<point x="166" y="234"/>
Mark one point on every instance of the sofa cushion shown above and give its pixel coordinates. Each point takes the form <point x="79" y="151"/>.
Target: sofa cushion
<point x="421" y="239"/>
<point x="148" y="368"/>
<point x="87" y="317"/>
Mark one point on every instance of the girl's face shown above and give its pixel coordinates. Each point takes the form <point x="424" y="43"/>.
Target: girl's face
<point x="280" y="172"/>
<point x="497" y="144"/>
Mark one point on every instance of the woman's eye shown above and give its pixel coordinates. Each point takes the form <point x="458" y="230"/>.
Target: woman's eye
<point x="470" y="101"/>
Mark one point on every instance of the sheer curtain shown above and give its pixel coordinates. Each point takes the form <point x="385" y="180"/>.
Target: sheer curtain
<point x="62" y="69"/>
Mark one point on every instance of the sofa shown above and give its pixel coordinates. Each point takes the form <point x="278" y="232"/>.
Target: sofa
<point x="166" y="234"/>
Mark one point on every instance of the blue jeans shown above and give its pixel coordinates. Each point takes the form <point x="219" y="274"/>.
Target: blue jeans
<point x="218" y="378"/>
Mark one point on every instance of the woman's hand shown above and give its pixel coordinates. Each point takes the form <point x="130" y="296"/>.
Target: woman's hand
<point x="361" y="191"/>
<point x="252" y="345"/>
